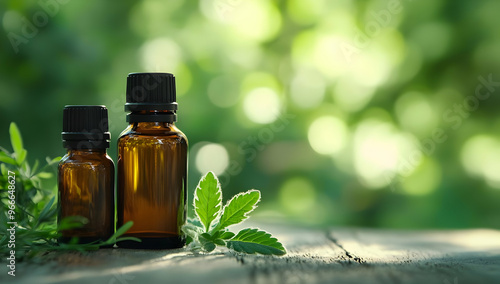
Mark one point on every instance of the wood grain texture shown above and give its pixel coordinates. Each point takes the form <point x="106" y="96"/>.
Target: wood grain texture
<point x="314" y="256"/>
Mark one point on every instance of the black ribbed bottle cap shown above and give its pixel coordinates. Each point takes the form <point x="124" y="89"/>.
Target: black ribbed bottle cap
<point x="85" y="127"/>
<point x="151" y="92"/>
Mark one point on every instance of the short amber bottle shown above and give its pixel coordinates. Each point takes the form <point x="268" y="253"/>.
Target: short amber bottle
<point x="86" y="174"/>
<point x="152" y="164"/>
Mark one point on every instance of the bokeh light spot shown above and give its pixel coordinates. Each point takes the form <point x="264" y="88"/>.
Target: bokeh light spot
<point x="327" y="135"/>
<point x="480" y="157"/>
<point x="307" y="89"/>
<point x="212" y="157"/>
<point x="262" y="105"/>
<point x="415" y="113"/>
<point x="381" y="152"/>
<point x="424" y="180"/>
<point x="160" y="55"/>
<point x="298" y="195"/>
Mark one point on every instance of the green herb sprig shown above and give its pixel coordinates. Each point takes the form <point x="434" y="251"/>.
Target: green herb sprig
<point x="209" y="229"/>
<point x="35" y="208"/>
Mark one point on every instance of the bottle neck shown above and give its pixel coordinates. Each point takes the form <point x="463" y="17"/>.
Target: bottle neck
<point x="82" y="152"/>
<point x="152" y="116"/>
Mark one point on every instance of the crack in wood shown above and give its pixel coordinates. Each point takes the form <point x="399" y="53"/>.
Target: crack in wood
<point x="351" y="256"/>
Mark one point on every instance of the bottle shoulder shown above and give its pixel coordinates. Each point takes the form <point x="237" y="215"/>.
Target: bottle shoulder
<point x="160" y="133"/>
<point x="92" y="159"/>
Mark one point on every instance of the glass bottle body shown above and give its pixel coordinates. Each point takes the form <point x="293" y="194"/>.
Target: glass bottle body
<point x="152" y="184"/>
<point x="86" y="188"/>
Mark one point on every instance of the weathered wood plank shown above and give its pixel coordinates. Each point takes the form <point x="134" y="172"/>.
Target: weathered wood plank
<point x="335" y="256"/>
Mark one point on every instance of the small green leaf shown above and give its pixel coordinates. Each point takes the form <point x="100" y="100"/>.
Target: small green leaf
<point x="52" y="161"/>
<point x="21" y="157"/>
<point x="35" y="166"/>
<point x="220" y="242"/>
<point x="254" y="241"/>
<point x="3" y="169"/>
<point x="206" y="236"/>
<point x="226" y="235"/>
<point x="208" y="199"/>
<point x="47" y="211"/>
<point x="7" y="159"/>
<point x="119" y="232"/>
<point x="189" y="240"/>
<point x="208" y="246"/>
<point x="236" y="210"/>
<point x="44" y="175"/>
<point x="123" y="229"/>
<point x="15" y="139"/>
<point x="206" y="243"/>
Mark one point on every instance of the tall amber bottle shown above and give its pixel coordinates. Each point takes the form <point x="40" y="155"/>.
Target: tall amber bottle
<point x="152" y="164"/>
<point x="86" y="174"/>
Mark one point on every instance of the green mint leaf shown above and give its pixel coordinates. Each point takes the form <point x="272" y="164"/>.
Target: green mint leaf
<point x="208" y="199"/>
<point x="206" y="242"/>
<point x="207" y="236"/>
<point x="16" y="140"/>
<point x="226" y="235"/>
<point x="208" y="246"/>
<point x="236" y="210"/>
<point x="220" y="242"/>
<point x="254" y="241"/>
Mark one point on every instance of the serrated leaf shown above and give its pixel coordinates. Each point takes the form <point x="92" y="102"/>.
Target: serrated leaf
<point x="237" y="209"/>
<point x="15" y="139"/>
<point x="254" y="241"/>
<point x="208" y="199"/>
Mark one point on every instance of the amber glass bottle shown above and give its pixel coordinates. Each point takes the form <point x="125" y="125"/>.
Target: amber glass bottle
<point x="152" y="164"/>
<point x="86" y="174"/>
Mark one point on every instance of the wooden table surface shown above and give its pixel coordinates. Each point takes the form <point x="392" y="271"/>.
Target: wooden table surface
<point x="334" y="256"/>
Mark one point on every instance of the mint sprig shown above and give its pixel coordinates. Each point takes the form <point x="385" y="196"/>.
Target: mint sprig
<point x="209" y="229"/>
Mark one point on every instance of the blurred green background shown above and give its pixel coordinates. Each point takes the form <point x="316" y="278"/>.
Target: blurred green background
<point x="343" y="113"/>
